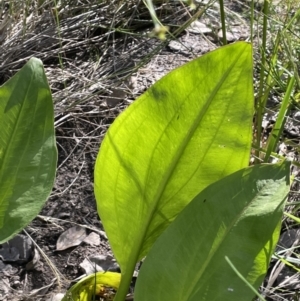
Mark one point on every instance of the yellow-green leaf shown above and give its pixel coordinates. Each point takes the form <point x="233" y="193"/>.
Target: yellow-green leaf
<point x="190" y="129"/>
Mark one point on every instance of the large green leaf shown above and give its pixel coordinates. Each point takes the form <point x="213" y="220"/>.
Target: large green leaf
<point x="27" y="148"/>
<point x="238" y="217"/>
<point x="188" y="130"/>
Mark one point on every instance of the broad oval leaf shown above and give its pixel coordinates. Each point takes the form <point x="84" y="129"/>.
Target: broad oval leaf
<point x="237" y="217"/>
<point x="27" y="148"/>
<point x="188" y="130"/>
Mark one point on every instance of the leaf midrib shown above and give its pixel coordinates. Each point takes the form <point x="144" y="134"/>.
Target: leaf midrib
<point x="181" y="150"/>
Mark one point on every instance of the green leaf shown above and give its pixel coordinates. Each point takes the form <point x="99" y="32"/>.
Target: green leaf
<point x="237" y="217"/>
<point x="28" y="152"/>
<point x="278" y="127"/>
<point x="188" y="130"/>
<point x="94" y="284"/>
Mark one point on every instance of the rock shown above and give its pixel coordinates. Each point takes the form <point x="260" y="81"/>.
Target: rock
<point x="229" y="36"/>
<point x="4" y="288"/>
<point x="92" y="239"/>
<point x="19" y="250"/>
<point x="199" y="27"/>
<point x="297" y="116"/>
<point x="99" y="263"/>
<point x="56" y="297"/>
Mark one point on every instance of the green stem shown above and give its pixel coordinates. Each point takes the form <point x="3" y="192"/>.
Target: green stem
<point x="124" y="284"/>
<point x="222" y="12"/>
<point x="252" y="21"/>
<point x="128" y="270"/>
<point x="259" y="104"/>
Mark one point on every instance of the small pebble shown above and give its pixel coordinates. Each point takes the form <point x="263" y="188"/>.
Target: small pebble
<point x="297" y="116"/>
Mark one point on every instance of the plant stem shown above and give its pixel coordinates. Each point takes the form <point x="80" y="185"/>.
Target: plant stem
<point x="252" y="21"/>
<point x="259" y="104"/>
<point x="124" y="284"/>
<point x="222" y="12"/>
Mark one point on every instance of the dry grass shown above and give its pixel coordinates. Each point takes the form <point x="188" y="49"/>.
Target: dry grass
<point x="87" y="46"/>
